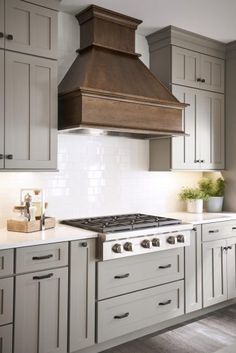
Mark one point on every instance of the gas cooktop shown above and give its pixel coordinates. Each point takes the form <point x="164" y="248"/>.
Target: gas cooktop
<point x="123" y="222"/>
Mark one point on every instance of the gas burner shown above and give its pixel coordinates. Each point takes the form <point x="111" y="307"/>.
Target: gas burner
<point x="117" y="223"/>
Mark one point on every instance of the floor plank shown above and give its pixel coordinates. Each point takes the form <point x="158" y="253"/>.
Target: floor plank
<point x="215" y="333"/>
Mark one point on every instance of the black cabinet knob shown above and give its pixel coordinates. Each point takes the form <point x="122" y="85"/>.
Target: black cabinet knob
<point x="1" y="156"/>
<point x="1" y="34"/>
<point x="197" y="161"/>
<point x="9" y="156"/>
<point x="84" y="244"/>
<point x="203" y="80"/>
<point x="199" y="79"/>
<point x="9" y="37"/>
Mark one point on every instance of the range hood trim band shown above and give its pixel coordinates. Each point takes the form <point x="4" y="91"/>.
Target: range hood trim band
<point x="128" y="98"/>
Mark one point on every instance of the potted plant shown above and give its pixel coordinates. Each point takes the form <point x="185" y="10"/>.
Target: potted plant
<point x="214" y="189"/>
<point x="194" y="198"/>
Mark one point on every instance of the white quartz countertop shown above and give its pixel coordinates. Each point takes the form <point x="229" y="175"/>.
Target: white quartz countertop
<point x="55" y="235"/>
<point x="201" y="218"/>
<point x="66" y="233"/>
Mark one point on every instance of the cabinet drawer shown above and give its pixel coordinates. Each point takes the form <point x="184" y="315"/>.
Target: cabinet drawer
<point x="6" y="301"/>
<point x="216" y="230"/>
<point x="35" y="258"/>
<point x="6" y="262"/>
<point x="6" y="339"/>
<point x="129" y="274"/>
<point x="122" y="315"/>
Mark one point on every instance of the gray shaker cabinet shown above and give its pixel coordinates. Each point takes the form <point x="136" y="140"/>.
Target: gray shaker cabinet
<point x="1" y="106"/>
<point x="190" y="68"/>
<point x="231" y="267"/>
<point x="30" y="29"/>
<point x="41" y="312"/>
<point x="82" y="294"/>
<point x="30" y="112"/>
<point x="6" y="339"/>
<point x="193" y="272"/>
<point x="214" y="257"/>
<point x="2" y="39"/>
<point x="203" y="122"/>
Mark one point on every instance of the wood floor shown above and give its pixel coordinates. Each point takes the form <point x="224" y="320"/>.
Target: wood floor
<point x="213" y="333"/>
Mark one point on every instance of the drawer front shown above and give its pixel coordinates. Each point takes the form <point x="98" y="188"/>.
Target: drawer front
<point x="6" y="262"/>
<point x="41" y="257"/>
<point x="6" y="339"/>
<point x="122" y="276"/>
<point x="217" y="230"/>
<point x="6" y="301"/>
<point x="122" y="315"/>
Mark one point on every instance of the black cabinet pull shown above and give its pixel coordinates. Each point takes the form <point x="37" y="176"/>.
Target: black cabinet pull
<point x="163" y="267"/>
<point x="165" y="303"/>
<point x="121" y="316"/>
<point x="84" y="244"/>
<point x="195" y="229"/>
<point x="203" y="80"/>
<point x="1" y="156"/>
<point x="229" y="248"/>
<point x="225" y="248"/>
<point x="197" y="161"/>
<point x="214" y="231"/>
<point x="1" y="35"/>
<point x="233" y="228"/>
<point x="122" y="276"/>
<point x="45" y="257"/>
<point x="9" y="156"/>
<point x="202" y="161"/>
<point x="43" y="277"/>
<point x="199" y="79"/>
<point x="9" y="37"/>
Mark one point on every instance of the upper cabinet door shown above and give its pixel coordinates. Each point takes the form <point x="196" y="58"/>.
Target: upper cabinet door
<point x="30" y="29"/>
<point x="185" y="67"/>
<point x="1" y="109"/>
<point x="30" y="112"/>
<point x="2" y="24"/>
<point x="212" y="73"/>
<point x="210" y="130"/>
<point x="184" y="148"/>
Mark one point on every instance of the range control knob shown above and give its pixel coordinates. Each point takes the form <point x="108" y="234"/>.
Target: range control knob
<point x="155" y="242"/>
<point x="116" y="248"/>
<point x="171" y="240"/>
<point x="146" y="244"/>
<point x="180" y="238"/>
<point x="128" y="246"/>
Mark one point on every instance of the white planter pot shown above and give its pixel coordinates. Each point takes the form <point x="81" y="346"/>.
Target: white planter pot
<point x="215" y="204"/>
<point x="195" y="206"/>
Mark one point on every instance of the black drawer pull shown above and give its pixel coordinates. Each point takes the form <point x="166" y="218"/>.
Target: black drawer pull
<point x="229" y="247"/>
<point x="45" y="257"/>
<point x="233" y="228"/>
<point x="203" y="80"/>
<point x="9" y="156"/>
<point x="199" y="79"/>
<point x="225" y="248"/>
<point x="84" y="244"/>
<point x="9" y="36"/>
<point x="165" y="303"/>
<point x="1" y="35"/>
<point x="43" y="277"/>
<point x="197" y="161"/>
<point x="214" y="231"/>
<point x="163" y="267"/>
<point x="202" y="161"/>
<point x="123" y="316"/>
<point x="122" y="276"/>
<point x="1" y="156"/>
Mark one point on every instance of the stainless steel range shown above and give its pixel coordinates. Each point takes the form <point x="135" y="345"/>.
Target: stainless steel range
<point x="134" y="234"/>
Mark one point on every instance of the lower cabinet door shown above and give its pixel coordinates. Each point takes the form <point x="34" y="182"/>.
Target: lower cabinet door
<point x="193" y="272"/>
<point x="6" y="301"/>
<point x="41" y="312"/>
<point x="231" y="267"/>
<point x="214" y="272"/>
<point x="82" y="294"/>
<point x="6" y="339"/>
<point x="127" y="313"/>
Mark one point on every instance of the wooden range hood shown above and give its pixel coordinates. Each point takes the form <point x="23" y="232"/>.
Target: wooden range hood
<point x="109" y="89"/>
